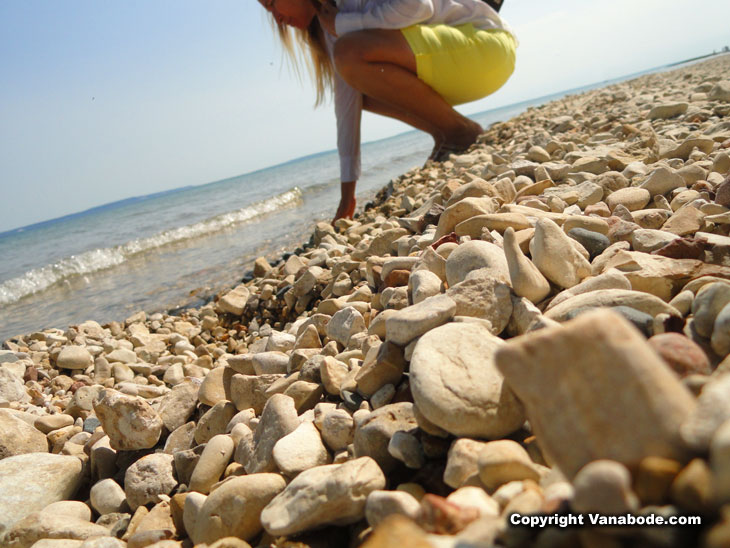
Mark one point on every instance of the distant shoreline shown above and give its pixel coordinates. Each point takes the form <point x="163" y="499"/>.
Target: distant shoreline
<point x="547" y="98"/>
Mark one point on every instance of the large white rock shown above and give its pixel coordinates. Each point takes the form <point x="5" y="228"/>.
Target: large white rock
<point x="594" y="388"/>
<point x="555" y="256"/>
<point x="476" y="255"/>
<point x="456" y="385"/>
<point x="331" y="494"/>
<point x="29" y="483"/>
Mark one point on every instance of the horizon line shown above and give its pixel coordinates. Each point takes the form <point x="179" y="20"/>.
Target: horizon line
<point x="123" y="201"/>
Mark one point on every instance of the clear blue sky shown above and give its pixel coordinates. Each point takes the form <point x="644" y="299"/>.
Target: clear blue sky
<point x="100" y="101"/>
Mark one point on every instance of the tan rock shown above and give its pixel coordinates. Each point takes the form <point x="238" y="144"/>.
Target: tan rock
<point x="130" y="422"/>
<point x="398" y="531"/>
<point x="107" y="496"/>
<point x="632" y="198"/>
<point x="618" y="399"/>
<point x="214" y="386"/>
<point x="423" y="284"/>
<point x="214" y="421"/>
<point x="413" y="321"/>
<point x="234" y="302"/>
<point x="40" y="525"/>
<point x="234" y="508"/>
<point x="685" y="222"/>
<point x="462" y="210"/>
<point x="338" y="429"/>
<point x="527" y="280"/>
<point x="74" y="357"/>
<point x="248" y="391"/>
<point x="216" y="455"/>
<point x="383" y="365"/>
<point x="481" y="296"/>
<point x="30" y="482"/>
<point x="661" y="276"/>
<point x="494" y="221"/>
<point x="456" y="386"/>
<point x="381" y="504"/>
<point x="594" y="224"/>
<point x="17" y="437"/>
<point x="331" y="494"/>
<point x="148" y="478"/>
<point x="462" y="466"/>
<point x="662" y="180"/>
<point x="179" y="404"/>
<point x="278" y="419"/>
<point x="373" y="434"/>
<point x="476" y="255"/>
<point x="553" y="253"/>
<point x="503" y="461"/>
<point x="300" y="450"/>
<point x="332" y="372"/>
<point x="604" y="486"/>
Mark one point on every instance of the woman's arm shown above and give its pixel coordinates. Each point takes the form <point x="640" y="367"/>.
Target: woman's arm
<point x="389" y="14"/>
<point x="348" y="110"/>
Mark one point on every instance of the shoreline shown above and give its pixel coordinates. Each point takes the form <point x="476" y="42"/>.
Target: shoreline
<point x="439" y="363"/>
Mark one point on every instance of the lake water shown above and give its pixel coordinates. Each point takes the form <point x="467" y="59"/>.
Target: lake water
<point x="177" y="248"/>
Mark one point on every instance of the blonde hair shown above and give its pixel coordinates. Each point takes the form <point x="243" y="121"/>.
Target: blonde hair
<point x="312" y="41"/>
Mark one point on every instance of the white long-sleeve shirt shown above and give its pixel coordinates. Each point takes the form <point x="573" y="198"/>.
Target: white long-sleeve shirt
<point x="390" y="14"/>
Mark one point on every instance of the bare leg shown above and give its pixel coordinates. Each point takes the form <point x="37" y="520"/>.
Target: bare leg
<point x="384" y="109"/>
<point x="380" y="64"/>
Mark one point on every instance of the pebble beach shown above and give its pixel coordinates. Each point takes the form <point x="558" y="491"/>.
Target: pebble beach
<point x="534" y="331"/>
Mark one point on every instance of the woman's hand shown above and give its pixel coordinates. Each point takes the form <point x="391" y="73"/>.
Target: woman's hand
<point x="326" y="12"/>
<point x="348" y="203"/>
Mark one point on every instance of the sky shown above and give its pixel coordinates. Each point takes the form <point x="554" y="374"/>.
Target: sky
<point x="101" y="101"/>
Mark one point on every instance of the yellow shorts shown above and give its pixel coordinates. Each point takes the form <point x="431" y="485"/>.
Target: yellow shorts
<point x="461" y="63"/>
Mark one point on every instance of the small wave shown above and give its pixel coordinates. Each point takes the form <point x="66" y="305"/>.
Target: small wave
<point x="40" y="279"/>
<point x="319" y="187"/>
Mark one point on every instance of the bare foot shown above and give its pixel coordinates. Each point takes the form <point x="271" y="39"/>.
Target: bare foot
<point x="457" y="143"/>
<point x="465" y="137"/>
<point x="346" y="208"/>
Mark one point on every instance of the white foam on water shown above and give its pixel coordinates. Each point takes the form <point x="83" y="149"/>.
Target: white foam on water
<point x="89" y="262"/>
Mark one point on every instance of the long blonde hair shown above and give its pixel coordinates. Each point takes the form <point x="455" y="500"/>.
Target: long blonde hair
<point x="310" y="41"/>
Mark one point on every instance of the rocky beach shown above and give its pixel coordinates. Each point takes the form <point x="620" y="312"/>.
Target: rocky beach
<point x="538" y="328"/>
